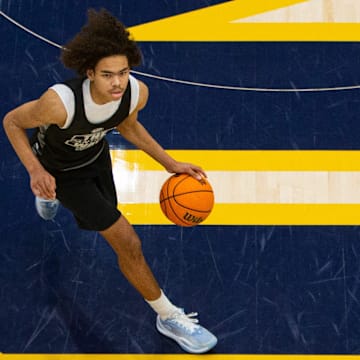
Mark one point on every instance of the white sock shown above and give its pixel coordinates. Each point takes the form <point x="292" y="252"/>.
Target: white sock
<point x="162" y="306"/>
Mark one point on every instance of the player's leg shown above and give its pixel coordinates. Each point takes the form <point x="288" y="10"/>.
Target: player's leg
<point x="171" y="321"/>
<point x="94" y="209"/>
<point x="93" y="204"/>
<point x="123" y="239"/>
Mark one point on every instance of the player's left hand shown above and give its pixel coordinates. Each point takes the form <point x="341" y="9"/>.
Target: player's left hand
<point x="186" y="168"/>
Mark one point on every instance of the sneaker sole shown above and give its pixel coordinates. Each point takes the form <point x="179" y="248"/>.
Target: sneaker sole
<point x="178" y="340"/>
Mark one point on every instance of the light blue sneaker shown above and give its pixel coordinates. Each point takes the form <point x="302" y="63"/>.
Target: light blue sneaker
<point x="46" y="209"/>
<point x="184" y="329"/>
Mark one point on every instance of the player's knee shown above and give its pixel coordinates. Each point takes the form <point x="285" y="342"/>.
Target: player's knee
<point x="131" y="252"/>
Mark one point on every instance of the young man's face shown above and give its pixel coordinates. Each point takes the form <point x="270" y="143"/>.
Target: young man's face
<point x="109" y="79"/>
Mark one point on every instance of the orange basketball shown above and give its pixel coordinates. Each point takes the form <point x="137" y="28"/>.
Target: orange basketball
<point x="186" y="201"/>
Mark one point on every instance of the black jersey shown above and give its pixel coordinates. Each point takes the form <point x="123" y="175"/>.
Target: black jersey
<point x="82" y="142"/>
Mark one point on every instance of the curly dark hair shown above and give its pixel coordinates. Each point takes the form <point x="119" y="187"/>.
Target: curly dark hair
<point x="102" y="36"/>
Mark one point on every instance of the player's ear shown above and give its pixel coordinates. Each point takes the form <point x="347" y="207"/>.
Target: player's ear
<point x="90" y="73"/>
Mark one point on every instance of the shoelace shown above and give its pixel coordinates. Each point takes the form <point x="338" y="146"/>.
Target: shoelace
<point x="186" y="321"/>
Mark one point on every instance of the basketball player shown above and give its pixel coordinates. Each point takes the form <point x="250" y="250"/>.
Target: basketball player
<point x="68" y="159"/>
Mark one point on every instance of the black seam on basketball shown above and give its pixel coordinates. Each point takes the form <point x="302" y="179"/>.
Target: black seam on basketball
<point x="176" y="215"/>
<point x="164" y="205"/>
<point x="185" y="193"/>
<point x="207" y="211"/>
<point x="172" y="196"/>
<point x="167" y="206"/>
<point x="189" y="192"/>
<point x="189" y="208"/>
<point x="178" y="183"/>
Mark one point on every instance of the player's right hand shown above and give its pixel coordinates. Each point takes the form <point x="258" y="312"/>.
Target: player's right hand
<point x="43" y="184"/>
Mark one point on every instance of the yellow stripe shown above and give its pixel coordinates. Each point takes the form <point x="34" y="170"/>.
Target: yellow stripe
<point x="237" y="160"/>
<point x="251" y="214"/>
<point x="255" y="214"/>
<point x="215" y="23"/>
<point x="252" y="32"/>
<point x="172" y="357"/>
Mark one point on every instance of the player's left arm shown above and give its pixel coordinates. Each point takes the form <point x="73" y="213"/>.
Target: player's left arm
<point x="133" y="131"/>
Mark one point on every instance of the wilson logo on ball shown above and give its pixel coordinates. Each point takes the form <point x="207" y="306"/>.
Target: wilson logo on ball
<point x="192" y="218"/>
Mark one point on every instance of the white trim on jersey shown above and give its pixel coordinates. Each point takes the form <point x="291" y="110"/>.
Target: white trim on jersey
<point x="95" y="113"/>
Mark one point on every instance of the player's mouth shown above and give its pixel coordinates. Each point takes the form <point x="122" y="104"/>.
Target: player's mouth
<point x="116" y="93"/>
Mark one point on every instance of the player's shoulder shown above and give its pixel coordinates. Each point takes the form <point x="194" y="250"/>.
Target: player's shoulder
<point x="134" y="81"/>
<point x="143" y="86"/>
<point x="50" y="106"/>
<point x="50" y="98"/>
<point x="143" y="93"/>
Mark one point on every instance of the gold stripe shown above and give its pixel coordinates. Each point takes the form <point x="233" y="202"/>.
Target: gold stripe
<point x="251" y="214"/>
<point x="237" y="32"/>
<point x="216" y="23"/>
<point x="255" y="214"/>
<point x="172" y="357"/>
<point x="237" y="160"/>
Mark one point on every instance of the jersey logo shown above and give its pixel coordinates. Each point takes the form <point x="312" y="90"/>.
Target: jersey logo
<point x="86" y="141"/>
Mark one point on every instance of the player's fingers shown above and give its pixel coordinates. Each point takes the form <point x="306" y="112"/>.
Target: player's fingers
<point x="195" y="174"/>
<point x="36" y="191"/>
<point x="199" y="171"/>
<point x="45" y="188"/>
<point x="50" y="188"/>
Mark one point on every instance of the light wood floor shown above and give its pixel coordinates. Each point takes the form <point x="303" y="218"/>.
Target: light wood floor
<point x="312" y="11"/>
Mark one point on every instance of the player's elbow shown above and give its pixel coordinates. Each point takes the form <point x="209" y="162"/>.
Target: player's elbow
<point x="126" y="128"/>
<point x="8" y="121"/>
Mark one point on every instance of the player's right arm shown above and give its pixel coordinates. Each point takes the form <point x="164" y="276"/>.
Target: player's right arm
<point x="46" y="110"/>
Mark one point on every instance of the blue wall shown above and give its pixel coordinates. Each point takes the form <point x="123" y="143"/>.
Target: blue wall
<point x="261" y="289"/>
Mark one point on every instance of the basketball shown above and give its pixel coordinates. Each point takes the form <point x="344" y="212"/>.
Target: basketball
<point x="186" y="201"/>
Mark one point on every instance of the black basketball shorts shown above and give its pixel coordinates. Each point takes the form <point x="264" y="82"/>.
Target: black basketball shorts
<point x="90" y="194"/>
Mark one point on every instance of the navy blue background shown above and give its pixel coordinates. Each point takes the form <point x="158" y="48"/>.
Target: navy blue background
<point x="260" y="289"/>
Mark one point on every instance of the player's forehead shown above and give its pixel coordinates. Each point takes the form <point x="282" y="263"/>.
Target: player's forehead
<point x="113" y="64"/>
